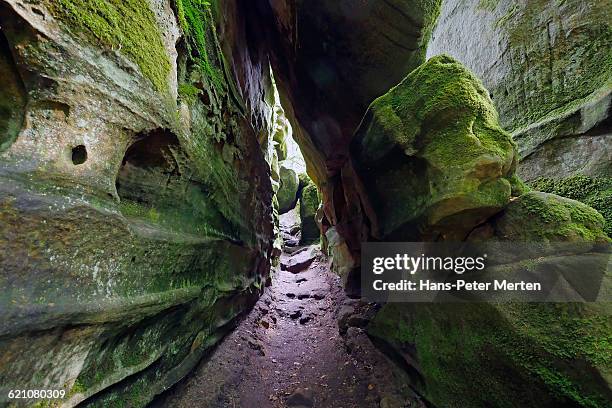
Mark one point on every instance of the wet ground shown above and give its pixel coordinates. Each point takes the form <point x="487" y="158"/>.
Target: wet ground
<point x="288" y="352"/>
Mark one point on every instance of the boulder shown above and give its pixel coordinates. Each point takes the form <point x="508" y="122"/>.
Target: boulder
<point x="595" y="192"/>
<point x="500" y="347"/>
<point x="299" y="261"/>
<point x="542" y="217"/>
<point x="432" y="156"/>
<point x="309" y="204"/>
<point x="547" y="67"/>
<point x="287" y="192"/>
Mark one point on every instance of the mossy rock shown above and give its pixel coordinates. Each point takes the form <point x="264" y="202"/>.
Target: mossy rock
<point x="432" y="155"/>
<point x="309" y="203"/>
<point x="595" y="192"/>
<point x="281" y="150"/>
<point x="548" y="65"/>
<point x="151" y="248"/>
<point x="196" y="20"/>
<point x="543" y="217"/>
<point x="126" y="25"/>
<point x="278" y="138"/>
<point x="504" y="356"/>
<point x="514" y="354"/>
<point x="287" y="193"/>
<point x="116" y="297"/>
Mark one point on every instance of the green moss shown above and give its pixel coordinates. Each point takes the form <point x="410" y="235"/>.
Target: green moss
<point x="309" y="203"/>
<point x="434" y="144"/>
<point x="595" y="192"/>
<point x="289" y="186"/>
<point x="196" y="20"/>
<point x="430" y="10"/>
<point x="452" y="102"/>
<point x="95" y="372"/>
<point x="188" y="92"/>
<point x="548" y="210"/>
<point x="310" y="199"/>
<point x="565" y="335"/>
<point x="512" y="11"/>
<point x="537" y="216"/>
<point x="518" y="186"/>
<point x="126" y="25"/>
<point x="511" y="355"/>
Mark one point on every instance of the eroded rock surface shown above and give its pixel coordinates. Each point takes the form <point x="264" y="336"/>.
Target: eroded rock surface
<point x="136" y="204"/>
<point x="547" y="66"/>
<point x="289" y="187"/>
<point x="431" y="155"/>
<point x="141" y="191"/>
<point x="500" y="346"/>
<point x="309" y="204"/>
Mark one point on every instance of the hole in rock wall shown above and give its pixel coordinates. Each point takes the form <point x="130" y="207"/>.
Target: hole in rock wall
<point x="12" y="91"/>
<point x="149" y="166"/>
<point x="79" y="155"/>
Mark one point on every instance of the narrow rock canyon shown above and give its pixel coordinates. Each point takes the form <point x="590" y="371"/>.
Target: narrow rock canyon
<point x="186" y="187"/>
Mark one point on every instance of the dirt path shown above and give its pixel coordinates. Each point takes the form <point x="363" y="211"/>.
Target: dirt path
<point x="288" y="351"/>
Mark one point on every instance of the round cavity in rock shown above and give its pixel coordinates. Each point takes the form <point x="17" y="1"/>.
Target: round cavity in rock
<point x="79" y="154"/>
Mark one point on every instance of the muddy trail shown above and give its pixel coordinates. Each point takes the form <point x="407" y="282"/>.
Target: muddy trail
<point x="291" y="350"/>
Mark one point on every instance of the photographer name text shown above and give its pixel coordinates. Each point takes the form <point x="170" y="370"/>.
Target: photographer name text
<point x="458" y="285"/>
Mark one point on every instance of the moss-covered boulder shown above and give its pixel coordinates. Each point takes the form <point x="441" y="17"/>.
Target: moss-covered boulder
<point x="543" y="217"/>
<point x="548" y="65"/>
<point x="309" y="204"/>
<point x="279" y="132"/>
<point x="514" y="354"/>
<point x="510" y="356"/>
<point x="288" y="190"/>
<point x="432" y="156"/>
<point x="596" y="192"/>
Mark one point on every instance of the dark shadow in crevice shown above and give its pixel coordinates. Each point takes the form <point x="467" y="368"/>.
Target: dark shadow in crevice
<point x="400" y="359"/>
<point x="79" y="155"/>
<point x="13" y="94"/>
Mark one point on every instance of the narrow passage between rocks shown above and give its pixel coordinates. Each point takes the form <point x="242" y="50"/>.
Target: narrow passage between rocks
<point x="301" y="346"/>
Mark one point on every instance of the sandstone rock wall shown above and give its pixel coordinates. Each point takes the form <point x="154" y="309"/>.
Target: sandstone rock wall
<point x="136" y="204"/>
